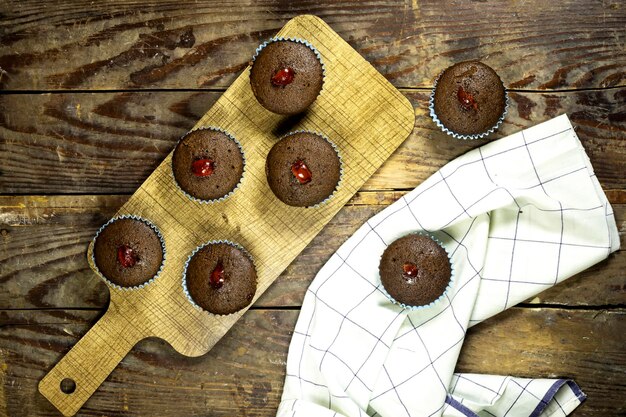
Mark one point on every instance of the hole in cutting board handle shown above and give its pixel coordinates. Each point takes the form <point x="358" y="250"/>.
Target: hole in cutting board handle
<point x="67" y="385"/>
<point x="81" y="371"/>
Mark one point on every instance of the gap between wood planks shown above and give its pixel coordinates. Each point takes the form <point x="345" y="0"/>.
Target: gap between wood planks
<point x="361" y="198"/>
<point x="223" y="89"/>
<point x="544" y="306"/>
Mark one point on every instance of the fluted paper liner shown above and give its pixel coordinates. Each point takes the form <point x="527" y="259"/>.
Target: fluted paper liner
<point x="243" y="173"/>
<point x="431" y="107"/>
<point x="104" y="226"/>
<point x="443" y="294"/>
<point x="196" y="250"/>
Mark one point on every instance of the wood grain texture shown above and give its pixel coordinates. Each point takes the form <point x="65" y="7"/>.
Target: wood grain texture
<point x="121" y="44"/>
<point x="44" y="239"/>
<point x="243" y="374"/>
<point x="554" y="57"/>
<point x="108" y="143"/>
<point x="366" y="121"/>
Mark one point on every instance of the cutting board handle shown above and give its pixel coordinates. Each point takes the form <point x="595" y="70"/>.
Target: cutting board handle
<point x="77" y="376"/>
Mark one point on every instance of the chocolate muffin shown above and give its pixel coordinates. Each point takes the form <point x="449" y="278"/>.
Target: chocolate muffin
<point x="415" y="270"/>
<point x="220" y="278"/>
<point x="128" y="252"/>
<point x="207" y="164"/>
<point x="286" y="75"/>
<point x="469" y="99"/>
<point x="303" y="169"/>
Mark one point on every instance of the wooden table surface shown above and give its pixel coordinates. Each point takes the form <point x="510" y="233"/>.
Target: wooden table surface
<point x="94" y="95"/>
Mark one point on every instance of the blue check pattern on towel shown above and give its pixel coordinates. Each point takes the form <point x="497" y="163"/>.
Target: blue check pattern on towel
<point x="518" y="216"/>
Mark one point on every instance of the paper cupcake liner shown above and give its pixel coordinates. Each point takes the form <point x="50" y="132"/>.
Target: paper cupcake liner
<point x="431" y="107"/>
<point x="441" y="297"/>
<point x="297" y="40"/>
<point x="224" y="197"/>
<point x="198" y="248"/>
<point x="321" y="203"/>
<point x="93" y="256"/>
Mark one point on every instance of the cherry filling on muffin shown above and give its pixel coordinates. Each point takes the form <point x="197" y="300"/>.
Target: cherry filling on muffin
<point x="217" y="276"/>
<point x="466" y="99"/>
<point x="301" y="172"/>
<point x="126" y="256"/>
<point x="409" y="272"/>
<point x="283" y="77"/>
<point x="203" y="167"/>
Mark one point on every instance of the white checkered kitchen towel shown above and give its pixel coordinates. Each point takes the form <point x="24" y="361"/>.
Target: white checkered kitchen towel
<point x="518" y="215"/>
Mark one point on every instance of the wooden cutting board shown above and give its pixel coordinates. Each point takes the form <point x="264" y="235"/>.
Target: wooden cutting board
<point x="358" y="110"/>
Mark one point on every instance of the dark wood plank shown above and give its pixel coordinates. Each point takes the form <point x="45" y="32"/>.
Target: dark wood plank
<point x="102" y="143"/>
<point x="121" y="44"/>
<point x="44" y="240"/>
<point x="68" y="141"/>
<point x="243" y="374"/>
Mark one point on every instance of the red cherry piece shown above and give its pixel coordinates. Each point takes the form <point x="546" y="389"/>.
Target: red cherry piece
<point x="301" y="172"/>
<point x="409" y="270"/>
<point x="203" y="167"/>
<point x="466" y="99"/>
<point x="126" y="256"/>
<point x="283" y="77"/>
<point x="217" y="276"/>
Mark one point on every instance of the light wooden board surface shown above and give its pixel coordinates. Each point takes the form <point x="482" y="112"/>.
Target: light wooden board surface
<point x="95" y="95"/>
<point x="367" y="119"/>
